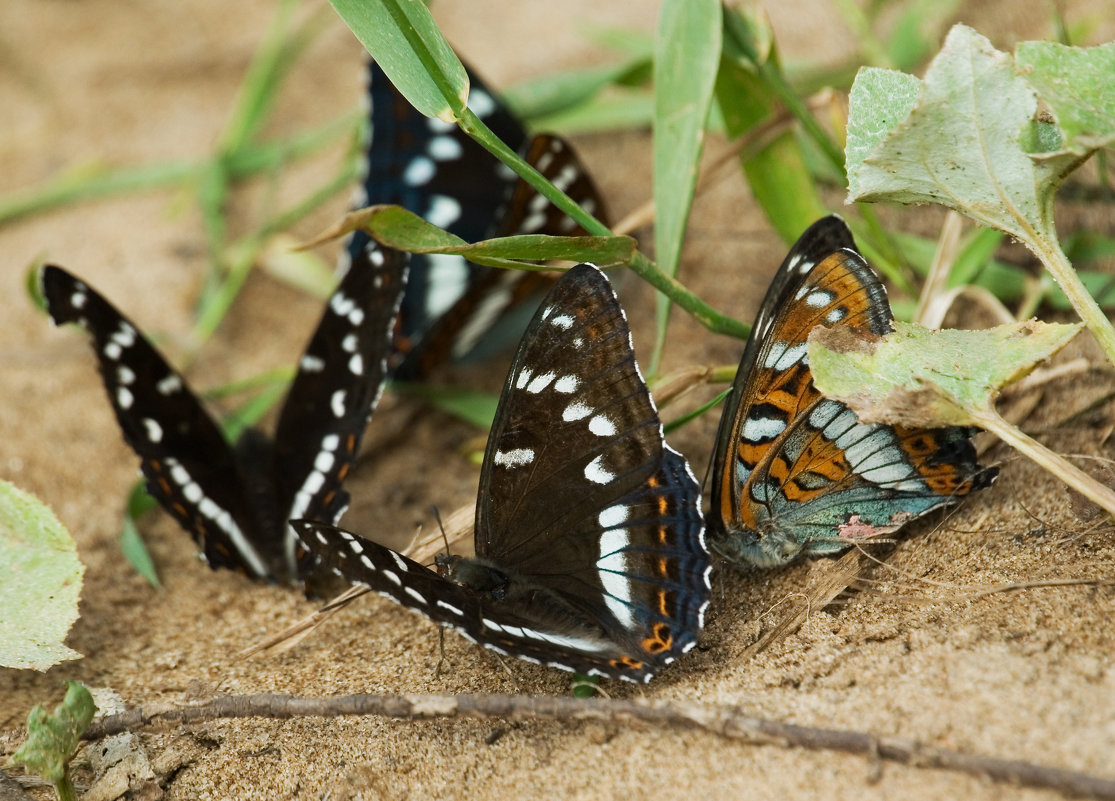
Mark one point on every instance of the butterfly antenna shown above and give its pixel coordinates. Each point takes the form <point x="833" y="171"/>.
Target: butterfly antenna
<point x="441" y="528"/>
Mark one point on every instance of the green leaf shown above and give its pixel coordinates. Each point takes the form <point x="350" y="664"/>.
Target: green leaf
<point x="584" y="686"/>
<point x="1076" y="85"/>
<point x="40" y="583"/>
<point x="966" y="137"/>
<point x="686" y="59"/>
<point x="474" y="407"/>
<point x="402" y="229"/>
<point x="976" y="139"/>
<point x="52" y="739"/>
<point x="403" y="38"/>
<point x="131" y="543"/>
<point x="922" y="378"/>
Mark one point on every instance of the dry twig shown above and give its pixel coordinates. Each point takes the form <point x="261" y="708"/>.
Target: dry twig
<point x="722" y="721"/>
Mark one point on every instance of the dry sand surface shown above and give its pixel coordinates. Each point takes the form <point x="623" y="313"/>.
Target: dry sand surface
<point x="918" y="652"/>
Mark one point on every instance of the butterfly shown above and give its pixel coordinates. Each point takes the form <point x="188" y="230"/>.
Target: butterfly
<point x="236" y="501"/>
<point x="453" y="310"/>
<point x="590" y="549"/>
<point x="796" y="473"/>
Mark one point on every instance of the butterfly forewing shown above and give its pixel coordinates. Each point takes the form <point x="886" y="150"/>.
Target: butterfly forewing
<point x="236" y="501"/>
<point x="190" y="467"/>
<point x="590" y="551"/>
<point x="795" y="472"/>
<point x="575" y="425"/>
<point x="340" y="378"/>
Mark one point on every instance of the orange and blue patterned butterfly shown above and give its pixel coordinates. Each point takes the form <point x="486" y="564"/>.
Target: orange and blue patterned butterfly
<point x="797" y="473"/>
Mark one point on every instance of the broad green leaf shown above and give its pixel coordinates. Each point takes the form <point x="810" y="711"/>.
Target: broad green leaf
<point x="403" y="38"/>
<point x="969" y="136"/>
<point x="977" y="140"/>
<point x="928" y="379"/>
<point x="687" y="55"/>
<point x="52" y="739"/>
<point x="40" y="583"/>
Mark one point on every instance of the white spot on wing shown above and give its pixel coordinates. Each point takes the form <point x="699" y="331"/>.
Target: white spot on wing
<point x="172" y="383"/>
<point x="154" y="430"/>
<point x="566" y="384"/>
<point x="337" y="403"/>
<point x="575" y="411"/>
<point x="443" y="211"/>
<point x="613" y="516"/>
<point x="444" y="148"/>
<point x="762" y="428"/>
<point x="612" y="568"/>
<point x="311" y="363"/>
<point x="597" y="473"/>
<point x="519" y="457"/>
<point x="481" y="102"/>
<point x="539" y="383"/>
<point x="601" y="426"/>
<point x="418" y="172"/>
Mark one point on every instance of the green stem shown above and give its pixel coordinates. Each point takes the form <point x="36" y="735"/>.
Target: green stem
<point x="1048" y="249"/>
<point x="704" y="314"/>
<point x="1064" y="470"/>
<point x="65" y="788"/>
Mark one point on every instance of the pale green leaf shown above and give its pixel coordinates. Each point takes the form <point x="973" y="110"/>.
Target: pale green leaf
<point x="922" y="378"/>
<point x="40" y="583"/>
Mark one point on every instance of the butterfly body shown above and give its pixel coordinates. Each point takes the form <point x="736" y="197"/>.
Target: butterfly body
<point x="590" y="551"/>
<point x="796" y="473"/>
<point x="236" y="500"/>
<point x="453" y="310"/>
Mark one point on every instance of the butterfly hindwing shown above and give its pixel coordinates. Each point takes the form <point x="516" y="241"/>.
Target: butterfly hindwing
<point x="590" y="551"/>
<point x="796" y="473"/>
<point x="190" y="467"/>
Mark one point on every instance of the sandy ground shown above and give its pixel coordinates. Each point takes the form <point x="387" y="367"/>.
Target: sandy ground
<point x="919" y="652"/>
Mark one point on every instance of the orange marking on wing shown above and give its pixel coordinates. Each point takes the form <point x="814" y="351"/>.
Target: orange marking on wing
<point x="342" y="471"/>
<point x="626" y="662"/>
<point x="660" y="639"/>
<point x="663" y="603"/>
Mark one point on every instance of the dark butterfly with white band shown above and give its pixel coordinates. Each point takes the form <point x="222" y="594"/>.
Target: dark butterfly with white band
<point x="590" y="549"/>
<point x="795" y="473"/>
<point x="236" y="501"/>
<point x="453" y="310"/>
